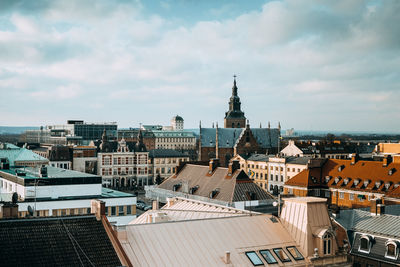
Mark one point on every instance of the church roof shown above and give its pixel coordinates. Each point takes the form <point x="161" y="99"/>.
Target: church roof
<point x="227" y="137"/>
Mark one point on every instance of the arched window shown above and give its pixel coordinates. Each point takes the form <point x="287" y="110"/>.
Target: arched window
<point x="365" y="243"/>
<point x="327" y="243"/>
<point x="391" y="249"/>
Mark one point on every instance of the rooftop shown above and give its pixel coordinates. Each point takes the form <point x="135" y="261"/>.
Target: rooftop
<point x="166" y="153"/>
<point x="16" y="154"/>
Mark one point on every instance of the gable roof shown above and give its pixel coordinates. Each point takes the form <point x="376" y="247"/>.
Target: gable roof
<point x="56" y="241"/>
<point x="183" y="209"/>
<point x="231" y="188"/>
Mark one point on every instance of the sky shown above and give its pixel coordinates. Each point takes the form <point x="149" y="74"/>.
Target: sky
<point x="310" y="65"/>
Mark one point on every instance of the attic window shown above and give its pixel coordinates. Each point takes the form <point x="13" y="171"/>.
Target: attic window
<point x="391" y="171"/>
<point x="340" y="168"/>
<point x="193" y="189"/>
<point x="366" y="182"/>
<point x="268" y="257"/>
<point x="391" y="249"/>
<point x="214" y="193"/>
<point x="365" y="243"/>
<point x="293" y="251"/>
<point x="356" y="181"/>
<point x="327" y="178"/>
<point x="337" y="179"/>
<point x="377" y="184"/>
<point x="387" y="185"/>
<point x="253" y="257"/>
<point x="281" y="254"/>
<point x="346" y="181"/>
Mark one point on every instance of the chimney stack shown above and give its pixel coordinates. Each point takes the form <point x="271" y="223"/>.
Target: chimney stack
<point x="233" y="166"/>
<point x="354" y="158"/>
<point x="386" y="160"/>
<point x="376" y="207"/>
<point x="155" y="205"/>
<point x="98" y="207"/>
<point x="227" y="258"/>
<point x="9" y="210"/>
<point x="214" y="163"/>
<point x="380" y="209"/>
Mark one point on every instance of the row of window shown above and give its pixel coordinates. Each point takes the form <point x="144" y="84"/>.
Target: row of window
<point x="169" y="160"/>
<point x="139" y="159"/>
<point x="279" y="253"/>
<point x="179" y="139"/>
<point x="124" y="171"/>
<point x="367" y="241"/>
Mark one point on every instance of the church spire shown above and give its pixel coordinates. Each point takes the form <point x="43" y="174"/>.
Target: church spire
<point x="234" y="87"/>
<point x="234" y="117"/>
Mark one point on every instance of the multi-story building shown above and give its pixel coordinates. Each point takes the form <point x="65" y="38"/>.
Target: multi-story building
<point x="20" y="157"/>
<point x="123" y="166"/>
<point x="51" y="191"/>
<point x="84" y="159"/>
<point x="271" y="172"/>
<point x="74" y="132"/>
<point x="178" y="140"/>
<point x="349" y="183"/>
<point x="163" y="162"/>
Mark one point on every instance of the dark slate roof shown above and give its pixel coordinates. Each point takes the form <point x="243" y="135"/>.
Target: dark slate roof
<point x="227" y="137"/>
<point x="166" y="153"/>
<point x="297" y="160"/>
<point x="56" y="241"/>
<point x="377" y="252"/>
<point x="258" y="157"/>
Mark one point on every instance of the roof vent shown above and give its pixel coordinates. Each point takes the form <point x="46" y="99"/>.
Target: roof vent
<point x="193" y="189"/>
<point x="214" y="193"/>
<point x="177" y="186"/>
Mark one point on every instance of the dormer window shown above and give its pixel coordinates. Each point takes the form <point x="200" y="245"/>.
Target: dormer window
<point x="327" y="178"/>
<point x="327" y="243"/>
<point x="337" y="179"/>
<point x="346" y="181"/>
<point x="340" y="168"/>
<point x="377" y="185"/>
<point x="365" y="243"/>
<point x="366" y="182"/>
<point x="387" y="185"/>
<point x="396" y="185"/>
<point x="391" y="249"/>
<point x="391" y="171"/>
<point x="356" y="181"/>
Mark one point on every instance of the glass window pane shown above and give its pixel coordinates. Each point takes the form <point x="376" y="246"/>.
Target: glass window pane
<point x="267" y="255"/>
<point x="253" y="257"/>
<point x="282" y="255"/>
<point x="295" y="253"/>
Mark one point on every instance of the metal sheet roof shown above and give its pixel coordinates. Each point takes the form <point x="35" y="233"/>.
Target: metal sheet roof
<point x="203" y="242"/>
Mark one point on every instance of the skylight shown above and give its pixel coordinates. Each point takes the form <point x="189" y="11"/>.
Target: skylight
<point x="268" y="257"/>
<point x="295" y="253"/>
<point x="253" y="257"/>
<point x="281" y="254"/>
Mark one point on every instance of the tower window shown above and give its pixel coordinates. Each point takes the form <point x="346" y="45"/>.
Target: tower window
<point x="327" y="241"/>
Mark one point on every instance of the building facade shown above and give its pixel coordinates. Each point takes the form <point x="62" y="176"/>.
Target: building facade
<point x="163" y="163"/>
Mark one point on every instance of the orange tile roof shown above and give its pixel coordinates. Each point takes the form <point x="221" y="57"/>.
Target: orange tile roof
<point x="369" y="176"/>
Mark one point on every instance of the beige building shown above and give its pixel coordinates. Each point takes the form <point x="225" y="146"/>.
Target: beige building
<point x="271" y="172"/>
<point x="164" y="162"/>
<point x="195" y="233"/>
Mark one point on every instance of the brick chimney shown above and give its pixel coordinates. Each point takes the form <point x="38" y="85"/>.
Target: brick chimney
<point x="380" y="209"/>
<point x="98" y="207"/>
<point x="214" y="163"/>
<point x="9" y="210"/>
<point x="376" y="207"/>
<point x="233" y="166"/>
<point x="354" y="158"/>
<point x="386" y="160"/>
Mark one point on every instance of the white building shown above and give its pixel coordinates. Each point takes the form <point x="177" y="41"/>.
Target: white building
<point x="177" y="123"/>
<point x="49" y="191"/>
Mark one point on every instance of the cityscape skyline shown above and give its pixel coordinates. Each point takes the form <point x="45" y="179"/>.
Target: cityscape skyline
<point x="310" y="65"/>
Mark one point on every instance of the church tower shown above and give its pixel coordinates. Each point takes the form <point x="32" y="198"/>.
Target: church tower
<point x="234" y="117"/>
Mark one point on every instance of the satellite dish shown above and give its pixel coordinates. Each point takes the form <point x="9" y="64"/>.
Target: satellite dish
<point x="30" y="210"/>
<point x="14" y="198"/>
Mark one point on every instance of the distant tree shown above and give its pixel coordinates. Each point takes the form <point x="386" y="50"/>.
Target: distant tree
<point x="330" y="137"/>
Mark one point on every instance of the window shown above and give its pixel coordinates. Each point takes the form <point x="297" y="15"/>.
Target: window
<point x="364" y="244"/>
<point x="112" y="211"/>
<point x="327" y="240"/>
<point x="281" y="254"/>
<point x="341" y="195"/>
<point x="295" y="253"/>
<point x="120" y="210"/>
<point x="128" y="210"/>
<point x="253" y="257"/>
<point x="351" y="196"/>
<point x="391" y="250"/>
<point x="272" y="177"/>
<point x="268" y="257"/>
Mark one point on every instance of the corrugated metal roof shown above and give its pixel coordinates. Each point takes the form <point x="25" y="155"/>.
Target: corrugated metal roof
<point x="203" y="242"/>
<point x="181" y="209"/>
<point x="363" y="221"/>
<point x="20" y="154"/>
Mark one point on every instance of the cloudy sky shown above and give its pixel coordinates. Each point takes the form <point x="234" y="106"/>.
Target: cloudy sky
<point x="312" y="65"/>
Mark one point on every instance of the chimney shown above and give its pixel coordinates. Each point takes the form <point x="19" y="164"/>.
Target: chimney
<point x="354" y="158"/>
<point x="98" y="207"/>
<point x="155" y="205"/>
<point x="9" y="210"/>
<point x="374" y="206"/>
<point x="386" y="160"/>
<point x="214" y="163"/>
<point x="380" y="209"/>
<point x="170" y="202"/>
<point x="227" y="257"/>
<point x="233" y="166"/>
